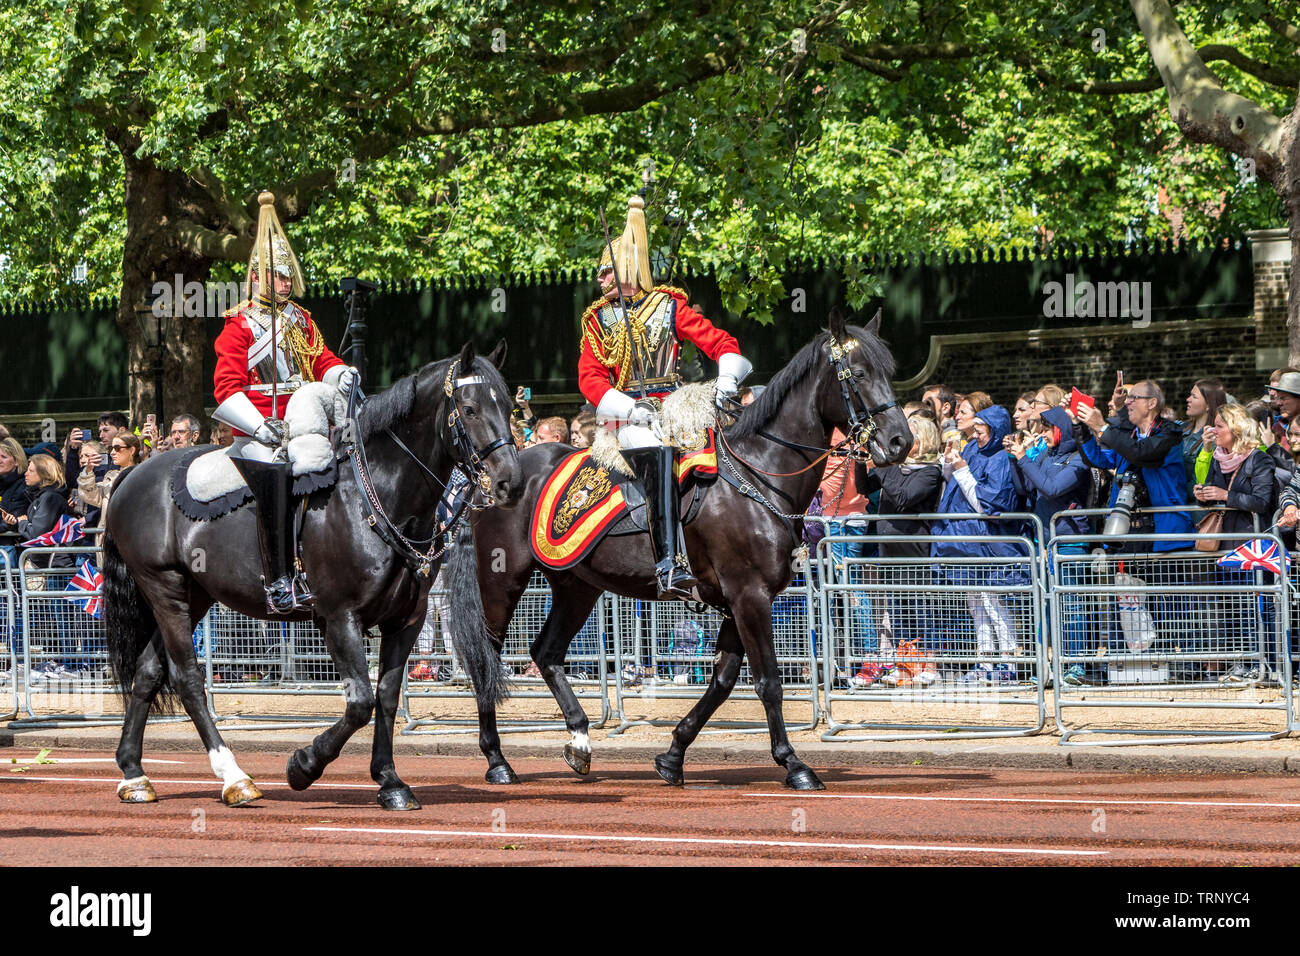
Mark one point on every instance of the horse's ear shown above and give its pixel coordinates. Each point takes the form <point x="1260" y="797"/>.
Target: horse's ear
<point x="498" y="356"/>
<point x="467" y="356"/>
<point x="837" y="330"/>
<point x="874" y="325"/>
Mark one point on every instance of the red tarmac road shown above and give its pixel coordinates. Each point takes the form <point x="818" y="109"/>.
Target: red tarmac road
<point x="67" y="813"/>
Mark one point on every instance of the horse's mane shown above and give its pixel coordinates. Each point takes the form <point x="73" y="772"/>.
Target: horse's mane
<point x="395" y="405"/>
<point x="388" y="407"/>
<point x="808" y="359"/>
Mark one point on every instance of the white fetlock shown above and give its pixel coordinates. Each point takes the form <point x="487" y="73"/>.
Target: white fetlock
<point x="136" y="790"/>
<point x="581" y="742"/>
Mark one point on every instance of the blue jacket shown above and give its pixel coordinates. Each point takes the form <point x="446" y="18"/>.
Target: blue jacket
<point x="1159" y="458"/>
<point x="1058" y="480"/>
<point x="990" y="466"/>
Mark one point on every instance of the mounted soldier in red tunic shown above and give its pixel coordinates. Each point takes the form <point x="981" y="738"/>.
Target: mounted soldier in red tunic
<point x="267" y="350"/>
<point x="631" y="340"/>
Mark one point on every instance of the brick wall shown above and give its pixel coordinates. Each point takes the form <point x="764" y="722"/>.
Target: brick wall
<point x="1175" y="354"/>
<point x="1271" y="259"/>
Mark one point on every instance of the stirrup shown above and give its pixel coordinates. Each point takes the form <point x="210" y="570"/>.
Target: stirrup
<point x="676" y="583"/>
<point x="282" y="599"/>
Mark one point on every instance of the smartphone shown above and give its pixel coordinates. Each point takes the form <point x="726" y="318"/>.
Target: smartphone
<point x="151" y="419"/>
<point x="528" y="394"/>
<point x="1079" y="400"/>
<point x="1120" y="378"/>
<point x="86" y="435"/>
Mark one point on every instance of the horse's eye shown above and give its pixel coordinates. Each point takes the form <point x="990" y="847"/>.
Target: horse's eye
<point x="859" y="373"/>
<point x="471" y="411"/>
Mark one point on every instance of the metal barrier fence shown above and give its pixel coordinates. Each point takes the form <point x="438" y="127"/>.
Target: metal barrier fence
<point x="1142" y="631"/>
<point x="438" y="676"/>
<point x="9" y="675"/>
<point x="64" y="650"/>
<point x="665" y="651"/>
<point x="923" y="647"/>
<point x="1140" y="639"/>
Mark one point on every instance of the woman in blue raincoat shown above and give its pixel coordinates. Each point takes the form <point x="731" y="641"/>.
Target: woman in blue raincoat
<point x="980" y="482"/>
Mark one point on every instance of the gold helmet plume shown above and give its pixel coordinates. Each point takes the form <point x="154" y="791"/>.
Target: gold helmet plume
<point x="270" y="232"/>
<point x="632" y="249"/>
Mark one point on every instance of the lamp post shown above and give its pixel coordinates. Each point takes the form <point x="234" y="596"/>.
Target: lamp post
<point x="152" y="316"/>
<point x="356" y="293"/>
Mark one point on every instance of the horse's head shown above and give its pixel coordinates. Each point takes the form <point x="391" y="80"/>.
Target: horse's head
<point x="857" y="395"/>
<point x="478" y="424"/>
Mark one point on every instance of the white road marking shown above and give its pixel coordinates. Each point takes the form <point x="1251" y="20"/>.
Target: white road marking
<point x="60" y="760"/>
<point x="704" y="841"/>
<point x="1089" y="801"/>
<point x="207" y="781"/>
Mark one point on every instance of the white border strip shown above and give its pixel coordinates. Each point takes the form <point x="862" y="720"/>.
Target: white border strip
<point x="1087" y="801"/>
<point x="705" y="841"/>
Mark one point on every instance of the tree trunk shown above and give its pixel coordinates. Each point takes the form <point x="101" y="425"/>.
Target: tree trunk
<point x="155" y="198"/>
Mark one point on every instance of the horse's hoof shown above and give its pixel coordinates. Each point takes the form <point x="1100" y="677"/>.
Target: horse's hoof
<point x="669" y="770"/>
<point x="297" y="775"/>
<point x="398" y="798"/>
<point x="579" y="760"/>
<point x="501" y="773"/>
<point x="139" y="790"/>
<point x="803" y="779"/>
<point x="240" y="793"/>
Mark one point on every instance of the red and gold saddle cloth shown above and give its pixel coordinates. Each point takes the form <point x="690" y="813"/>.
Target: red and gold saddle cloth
<point x="582" y="502"/>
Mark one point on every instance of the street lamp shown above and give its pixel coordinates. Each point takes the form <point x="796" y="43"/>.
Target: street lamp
<point x="154" y="318"/>
<point x="356" y="293"/>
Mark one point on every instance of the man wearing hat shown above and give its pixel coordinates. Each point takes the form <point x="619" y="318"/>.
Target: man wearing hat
<point x="268" y="349"/>
<point x="628" y="364"/>
<point x="1284" y="396"/>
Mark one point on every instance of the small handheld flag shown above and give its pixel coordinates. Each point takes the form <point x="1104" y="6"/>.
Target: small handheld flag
<point x="89" y="579"/>
<point x="66" y="531"/>
<point x="1255" y="555"/>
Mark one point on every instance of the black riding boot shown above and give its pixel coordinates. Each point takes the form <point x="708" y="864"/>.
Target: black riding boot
<point x="272" y="487"/>
<point x="654" y="469"/>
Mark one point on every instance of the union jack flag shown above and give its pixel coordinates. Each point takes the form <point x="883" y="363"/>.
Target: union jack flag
<point x="66" y="531"/>
<point x="1256" y="555"/>
<point x="88" y="579"/>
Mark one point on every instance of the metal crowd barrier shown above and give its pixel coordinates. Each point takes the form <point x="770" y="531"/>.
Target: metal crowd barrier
<point x="665" y="651"/>
<point x="1161" y="631"/>
<point x="64" y="650"/>
<point x="586" y="666"/>
<point x="933" y="648"/>
<point x="9" y="676"/>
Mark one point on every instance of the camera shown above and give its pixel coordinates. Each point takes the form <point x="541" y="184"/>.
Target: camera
<point x="1131" y="489"/>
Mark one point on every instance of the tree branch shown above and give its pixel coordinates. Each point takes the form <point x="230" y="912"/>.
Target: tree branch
<point x="1281" y="27"/>
<point x="1203" y="110"/>
<point x="204" y="242"/>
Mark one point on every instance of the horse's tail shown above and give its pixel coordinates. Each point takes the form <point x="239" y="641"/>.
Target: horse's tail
<point x="130" y="624"/>
<point x="477" y="652"/>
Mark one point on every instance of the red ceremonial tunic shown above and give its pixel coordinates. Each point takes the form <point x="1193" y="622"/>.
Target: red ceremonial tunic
<point x="682" y="323"/>
<point x="236" y="339"/>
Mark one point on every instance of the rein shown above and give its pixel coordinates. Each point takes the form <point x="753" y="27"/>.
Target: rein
<point x="860" y="427"/>
<point x="471" y="465"/>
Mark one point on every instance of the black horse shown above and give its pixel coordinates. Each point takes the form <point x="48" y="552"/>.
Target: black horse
<point x="449" y="413"/>
<point x="740" y="544"/>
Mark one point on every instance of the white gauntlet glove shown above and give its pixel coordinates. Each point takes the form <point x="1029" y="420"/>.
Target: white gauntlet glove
<point x="343" y="377"/>
<point x="643" y="414"/>
<point x="732" y="369"/>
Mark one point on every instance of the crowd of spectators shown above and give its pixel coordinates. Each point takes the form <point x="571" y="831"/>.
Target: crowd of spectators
<point x="1222" y="466"/>
<point x="44" y="484"/>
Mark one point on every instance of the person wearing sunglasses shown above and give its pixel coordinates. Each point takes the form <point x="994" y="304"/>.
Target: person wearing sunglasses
<point x="123" y="452"/>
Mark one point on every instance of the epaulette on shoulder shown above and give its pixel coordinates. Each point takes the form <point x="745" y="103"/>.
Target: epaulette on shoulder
<point x="303" y="311"/>
<point x="592" y="309"/>
<point x="671" y="290"/>
<point x="236" y="309"/>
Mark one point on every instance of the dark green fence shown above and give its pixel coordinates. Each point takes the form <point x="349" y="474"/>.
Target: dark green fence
<point x="65" y="359"/>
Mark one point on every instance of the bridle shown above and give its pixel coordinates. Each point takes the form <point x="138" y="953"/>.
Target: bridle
<point x="861" y="424"/>
<point x="473" y="459"/>
<point x="472" y="465"/>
